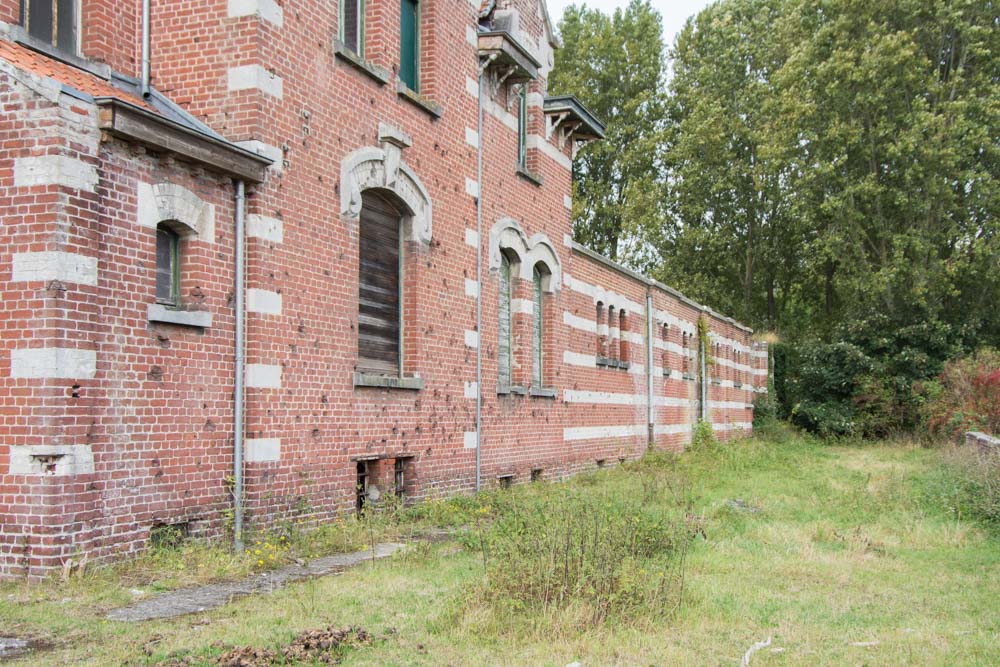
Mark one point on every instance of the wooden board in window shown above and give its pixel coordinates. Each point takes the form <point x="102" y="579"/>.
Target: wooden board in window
<point x="378" y="290"/>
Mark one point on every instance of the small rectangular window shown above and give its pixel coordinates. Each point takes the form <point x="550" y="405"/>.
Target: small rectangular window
<point x="352" y="25"/>
<point x="51" y="21"/>
<point x="522" y="128"/>
<point x="409" y="44"/>
<point x="167" y="265"/>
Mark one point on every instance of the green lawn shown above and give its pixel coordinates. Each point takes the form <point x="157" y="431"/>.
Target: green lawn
<point x="844" y="555"/>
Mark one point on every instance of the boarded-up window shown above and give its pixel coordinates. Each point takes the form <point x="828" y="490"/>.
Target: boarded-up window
<point x="409" y="44"/>
<point x="537" y="332"/>
<point x="378" y="287"/>
<point x="503" y="325"/>
<point x="52" y="21"/>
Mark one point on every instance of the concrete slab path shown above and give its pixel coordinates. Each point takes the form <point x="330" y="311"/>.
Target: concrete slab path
<point x="212" y="596"/>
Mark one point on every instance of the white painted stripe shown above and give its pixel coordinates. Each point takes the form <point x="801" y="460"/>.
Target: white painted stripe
<point x="60" y="170"/>
<point x="637" y="369"/>
<point x="255" y="77"/>
<point x="568" y="240"/>
<point x="471" y="187"/>
<point x="267" y="10"/>
<point x="634" y="338"/>
<point x="471" y="238"/>
<point x="471" y="339"/>
<point x="523" y="306"/>
<point x="568" y="202"/>
<point x="53" y="363"/>
<point x="536" y="100"/>
<point x="471" y="137"/>
<point x="264" y="376"/>
<point x="263" y="302"/>
<point x="55" y="265"/>
<point x="273" y="153"/>
<point x="576" y="359"/>
<point x="671" y="429"/>
<point x="607" y="297"/>
<point x="35" y="459"/>
<point x="733" y="426"/>
<point x="263" y="450"/>
<point x="471" y="36"/>
<point x="602" y="398"/>
<point x="471" y="87"/>
<point x="265" y="228"/>
<point x="470" y="390"/>
<point x="470" y="440"/>
<point x="557" y="156"/>
<point x="580" y="323"/>
<point x="471" y="288"/>
<point x="595" y="432"/>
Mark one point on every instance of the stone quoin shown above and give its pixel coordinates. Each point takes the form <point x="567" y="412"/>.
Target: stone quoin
<point x="353" y="129"/>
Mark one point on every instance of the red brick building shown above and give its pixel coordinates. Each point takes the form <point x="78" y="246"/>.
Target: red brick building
<point x="276" y="231"/>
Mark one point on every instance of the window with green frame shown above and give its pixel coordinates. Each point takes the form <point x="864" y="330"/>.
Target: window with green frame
<point x="409" y="44"/>
<point x="522" y="128"/>
<point x="168" y="245"/>
<point x="352" y="25"/>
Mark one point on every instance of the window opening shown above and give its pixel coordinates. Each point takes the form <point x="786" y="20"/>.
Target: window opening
<point x="379" y="285"/>
<point x="409" y="44"/>
<point x="504" y="346"/>
<point x="352" y="25"/>
<point x="361" y="486"/>
<point x="522" y="127"/>
<point x="537" y="337"/>
<point x="51" y="21"/>
<point x="167" y="266"/>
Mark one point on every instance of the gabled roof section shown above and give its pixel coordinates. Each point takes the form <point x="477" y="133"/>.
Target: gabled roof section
<point x="572" y="119"/>
<point x="154" y="121"/>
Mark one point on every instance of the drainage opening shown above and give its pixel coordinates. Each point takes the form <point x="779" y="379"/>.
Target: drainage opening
<point x="536" y="474"/>
<point x="169" y="535"/>
<point x="505" y="481"/>
<point x="600" y="463"/>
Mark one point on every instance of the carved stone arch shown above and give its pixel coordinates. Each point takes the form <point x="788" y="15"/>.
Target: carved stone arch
<point x="186" y="212"/>
<point x="508" y="235"/>
<point x="383" y="169"/>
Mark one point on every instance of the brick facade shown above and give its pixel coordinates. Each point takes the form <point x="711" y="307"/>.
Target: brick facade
<point x="115" y="419"/>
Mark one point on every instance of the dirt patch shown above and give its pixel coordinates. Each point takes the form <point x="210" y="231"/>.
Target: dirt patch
<point x="324" y="646"/>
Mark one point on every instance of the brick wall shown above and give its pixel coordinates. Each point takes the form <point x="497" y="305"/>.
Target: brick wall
<point x="147" y="415"/>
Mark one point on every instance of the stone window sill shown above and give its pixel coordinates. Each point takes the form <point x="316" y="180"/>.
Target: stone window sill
<point x="186" y="318"/>
<point x="606" y="362"/>
<point x="418" y="100"/>
<point x="542" y="392"/>
<point x="531" y="177"/>
<point x="387" y="382"/>
<point x="689" y="378"/>
<point x="367" y="68"/>
<point x="513" y="389"/>
<point x="738" y="385"/>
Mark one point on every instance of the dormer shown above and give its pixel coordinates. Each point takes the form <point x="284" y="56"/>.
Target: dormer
<point x="569" y="120"/>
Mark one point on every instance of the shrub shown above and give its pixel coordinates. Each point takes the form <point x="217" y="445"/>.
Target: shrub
<point x="965" y="397"/>
<point x="618" y="556"/>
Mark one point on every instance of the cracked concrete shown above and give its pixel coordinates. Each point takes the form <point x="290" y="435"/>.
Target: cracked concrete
<point x="213" y="596"/>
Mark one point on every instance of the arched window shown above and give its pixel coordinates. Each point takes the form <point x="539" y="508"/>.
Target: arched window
<point x="379" y="303"/>
<point x="622" y="337"/>
<point x="612" y="339"/>
<point x="538" y="277"/>
<point x="602" y="337"/>
<point x="168" y="261"/>
<point x="504" y="347"/>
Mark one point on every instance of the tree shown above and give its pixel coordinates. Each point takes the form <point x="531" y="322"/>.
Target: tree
<point x="615" y="64"/>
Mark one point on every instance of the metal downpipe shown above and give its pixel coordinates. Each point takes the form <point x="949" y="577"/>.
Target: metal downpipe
<point x="145" y="49"/>
<point x="650" y="407"/>
<point x="238" y="393"/>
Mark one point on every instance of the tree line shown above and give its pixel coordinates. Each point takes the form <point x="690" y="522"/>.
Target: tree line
<point x="824" y="170"/>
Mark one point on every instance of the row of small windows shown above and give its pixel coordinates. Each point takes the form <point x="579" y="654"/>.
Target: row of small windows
<point x="611" y="321"/>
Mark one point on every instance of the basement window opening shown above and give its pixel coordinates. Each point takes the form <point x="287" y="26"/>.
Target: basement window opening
<point x="361" y="486"/>
<point x="169" y="535"/>
<point x="505" y="481"/>
<point x="601" y="463"/>
<point x="536" y="474"/>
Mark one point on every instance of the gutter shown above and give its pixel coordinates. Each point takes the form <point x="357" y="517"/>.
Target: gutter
<point x="145" y="49"/>
<point x="650" y="409"/>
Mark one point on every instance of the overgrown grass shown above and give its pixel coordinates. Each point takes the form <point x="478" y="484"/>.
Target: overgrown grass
<point x="842" y="554"/>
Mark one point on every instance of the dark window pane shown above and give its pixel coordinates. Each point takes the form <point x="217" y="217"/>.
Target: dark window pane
<point x="378" y="288"/>
<point x="66" y="25"/>
<point x="349" y="27"/>
<point x="166" y="244"/>
<point x="40" y="19"/>
<point x="522" y="128"/>
<point x="537" y="335"/>
<point x="409" y="50"/>
<point x="504" y="347"/>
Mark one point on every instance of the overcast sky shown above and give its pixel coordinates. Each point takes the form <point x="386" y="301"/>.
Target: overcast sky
<point x="674" y="12"/>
